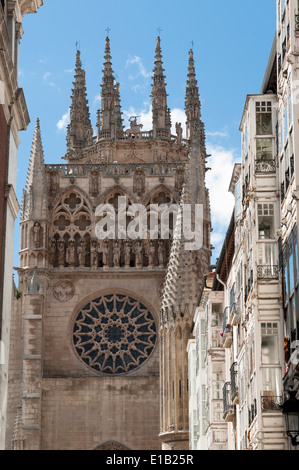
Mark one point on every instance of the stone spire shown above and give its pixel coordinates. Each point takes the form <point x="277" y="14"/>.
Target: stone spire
<point x="110" y="122"/>
<point x="79" y="132"/>
<point x="35" y="205"/>
<point x="192" y="102"/>
<point x="161" y="114"/>
<point x="179" y="301"/>
<point x="118" y="114"/>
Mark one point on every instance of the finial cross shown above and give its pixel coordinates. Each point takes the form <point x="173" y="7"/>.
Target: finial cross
<point x="159" y="31"/>
<point x="108" y="31"/>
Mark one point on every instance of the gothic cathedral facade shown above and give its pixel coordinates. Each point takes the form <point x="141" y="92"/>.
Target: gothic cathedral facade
<point x="100" y="326"/>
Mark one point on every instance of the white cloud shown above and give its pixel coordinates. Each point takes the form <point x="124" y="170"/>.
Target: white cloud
<point x="221" y="162"/>
<point x="141" y="69"/>
<point x="63" y="122"/>
<point x="223" y="133"/>
<point x="46" y="76"/>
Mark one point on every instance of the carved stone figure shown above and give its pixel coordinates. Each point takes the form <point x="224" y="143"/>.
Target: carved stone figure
<point x="61" y="252"/>
<point x="139" y="183"/>
<point x="94" y="183"/>
<point x="82" y="253"/>
<point x="116" y="254"/>
<point x="152" y="252"/>
<point x="135" y="129"/>
<point x="105" y="252"/>
<point x="179" y="133"/>
<point x="94" y="254"/>
<point x="161" y="254"/>
<point x="179" y="180"/>
<point x="64" y="291"/>
<point x="37" y="234"/>
<point x="70" y="253"/>
<point x="52" y="251"/>
<point x="139" y="254"/>
<point x="127" y="252"/>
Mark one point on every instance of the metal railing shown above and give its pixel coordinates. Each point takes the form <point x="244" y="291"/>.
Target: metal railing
<point x="268" y="272"/>
<point x="233" y="381"/>
<point x="227" y="403"/>
<point x="265" y="166"/>
<point x="271" y="403"/>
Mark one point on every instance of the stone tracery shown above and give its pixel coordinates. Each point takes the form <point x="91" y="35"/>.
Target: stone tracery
<point x="114" y="334"/>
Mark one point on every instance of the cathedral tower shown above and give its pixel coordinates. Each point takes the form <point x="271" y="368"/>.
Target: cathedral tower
<point x="91" y="304"/>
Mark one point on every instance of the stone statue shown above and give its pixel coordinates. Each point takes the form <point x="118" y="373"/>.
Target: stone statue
<point x="139" y="183"/>
<point x="70" y="253"/>
<point x="52" y="252"/>
<point x="127" y="251"/>
<point x="37" y="234"/>
<point x="94" y="254"/>
<point x="151" y="256"/>
<point x="161" y="254"/>
<point x="82" y="253"/>
<point x="61" y="253"/>
<point x="94" y="184"/>
<point x="105" y="251"/>
<point x="179" y="133"/>
<point x="116" y="254"/>
<point x="139" y="254"/>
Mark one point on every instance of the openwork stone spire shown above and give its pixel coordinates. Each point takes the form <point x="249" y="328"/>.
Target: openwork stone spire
<point x="161" y="114"/>
<point x="35" y="206"/>
<point x="79" y="132"/>
<point x="110" y="123"/>
<point x="192" y="102"/>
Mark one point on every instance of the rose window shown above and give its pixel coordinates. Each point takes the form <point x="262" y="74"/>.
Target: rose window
<point x="114" y="334"/>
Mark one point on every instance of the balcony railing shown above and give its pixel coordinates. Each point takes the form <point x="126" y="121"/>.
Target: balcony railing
<point x="267" y="272"/>
<point x="228" y="407"/>
<point x="271" y="403"/>
<point x="297" y="23"/>
<point x="265" y="166"/>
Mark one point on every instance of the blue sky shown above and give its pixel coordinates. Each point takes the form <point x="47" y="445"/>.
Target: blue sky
<point x="232" y="42"/>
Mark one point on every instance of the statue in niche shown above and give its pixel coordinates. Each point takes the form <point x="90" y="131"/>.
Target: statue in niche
<point x="139" y="254"/>
<point x="151" y="256"/>
<point x="94" y="183"/>
<point x="37" y="234"/>
<point x="179" y="180"/>
<point x="94" y="254"/>
<point x="70" y="253"/>
<point x="61" y="254"/>
<point x="105" y="252"/>
<point x="116" y="254"/>
<point x="54" y="182"/>
<point x="139" y="183"/>
<point x="127" y="252"/>
<point x="179" y="133"/>
<point x="82" y="253"/>
<point x="161" y="254"/>
<point x="89" y="137"/>
<point x="52" y="251"/>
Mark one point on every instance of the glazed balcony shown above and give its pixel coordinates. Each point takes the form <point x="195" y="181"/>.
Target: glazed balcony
<point x="235" y="314"/>
<point x="228" y="407"/>
<point x="234" y="389"/>
<point x="227" y="330"/>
